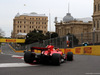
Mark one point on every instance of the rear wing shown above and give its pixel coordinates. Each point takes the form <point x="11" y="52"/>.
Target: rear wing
<point x="39" y="48"/>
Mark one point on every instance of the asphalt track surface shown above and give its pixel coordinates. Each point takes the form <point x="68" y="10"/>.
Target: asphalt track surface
<point x="11" y="64"/>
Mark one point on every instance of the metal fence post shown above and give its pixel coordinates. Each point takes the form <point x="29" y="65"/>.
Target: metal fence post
<point x="72" y="42"/>
<point x="93" y="38"/>
<point x="81" y="38"/>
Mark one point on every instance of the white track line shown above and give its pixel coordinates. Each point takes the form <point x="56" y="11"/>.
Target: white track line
<point x="15" y="65"/>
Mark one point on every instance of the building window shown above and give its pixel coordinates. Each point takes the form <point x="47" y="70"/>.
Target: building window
<point x="30" y="18"/>
<point x="20" y="31"/>
<point x="44" y="31"/>
<point x="24" y="22"/>
<point x="98" y="7"/>
<point x="24" y="17"/>
<point x="36" y="23"/>
<point x="17" y="26"/>
<point x="20" y="21"/>
<point x="94" y="24"/>
<point x="30" y="22"/>
<point x="97" y="24"/>
<point x="20" y="26"/>
<point x="17" y="31"/>
<point x="24" y="31"/>
<point x="24" y="27"/>
<point x="36" y="18"/>
<point x="45" y="27"/>
<point x="94" y="8"/>
<point x="30" y="26"/>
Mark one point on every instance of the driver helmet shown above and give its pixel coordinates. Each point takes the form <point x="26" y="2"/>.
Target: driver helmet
<point x="50" y="46"/>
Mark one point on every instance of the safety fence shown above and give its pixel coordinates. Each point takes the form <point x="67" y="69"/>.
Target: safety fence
<point x="69" y="41"/>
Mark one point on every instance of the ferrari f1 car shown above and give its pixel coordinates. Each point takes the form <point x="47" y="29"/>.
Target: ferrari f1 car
<point x="47" y="55"/>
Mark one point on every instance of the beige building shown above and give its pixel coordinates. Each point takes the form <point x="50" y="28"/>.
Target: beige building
<point x="25" y="23"/>
<point x="96" y="15"/>
<point x="96" y="21"/>
<point x="73" y="26"/>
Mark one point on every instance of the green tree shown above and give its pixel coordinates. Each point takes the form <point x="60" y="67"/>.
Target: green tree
<point x="53" y="35"/>
<point x="34" y="36"/>
<point x="47" y="35"/>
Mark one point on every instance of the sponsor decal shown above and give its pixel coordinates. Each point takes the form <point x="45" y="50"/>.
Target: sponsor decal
<point x="78" y="50"/>
<point x="10" y="40"/>
<point x="67" y="50"/>
<point x="88" y="50"/>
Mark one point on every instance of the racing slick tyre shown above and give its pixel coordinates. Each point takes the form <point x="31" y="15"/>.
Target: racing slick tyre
<point x="56" y="59"/>
<point x="69" y="56"/>
<point x="29" y="57"/>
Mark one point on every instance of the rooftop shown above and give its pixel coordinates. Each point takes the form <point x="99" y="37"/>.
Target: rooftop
<point x="31" y="14"/>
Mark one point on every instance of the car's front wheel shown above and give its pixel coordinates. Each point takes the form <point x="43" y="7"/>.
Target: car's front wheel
<point x="69" y="56"/>
<point x="56" y="59"/>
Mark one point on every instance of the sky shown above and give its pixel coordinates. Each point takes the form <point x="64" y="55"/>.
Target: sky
<point x="56" y="8"/>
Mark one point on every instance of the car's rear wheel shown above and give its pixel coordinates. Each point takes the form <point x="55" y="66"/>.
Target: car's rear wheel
<point x="56" y="59"/>
<point x="29" y="57"/>
<point x="69" y="56"/>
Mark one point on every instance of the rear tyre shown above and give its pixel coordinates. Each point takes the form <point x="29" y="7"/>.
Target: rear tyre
<point x="56" y="59"/>
<point x="28" y="57"/>
<point x="69" y="56"/>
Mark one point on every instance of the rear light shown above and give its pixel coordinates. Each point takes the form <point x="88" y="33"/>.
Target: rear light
<point x="32" y="50"/>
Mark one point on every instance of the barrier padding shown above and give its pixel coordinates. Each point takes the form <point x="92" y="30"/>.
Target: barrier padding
<point x="83" y="50"/>
<point x="66" y="50"/>
<point x="88" y="50"/>
<point x="0" y="51"/>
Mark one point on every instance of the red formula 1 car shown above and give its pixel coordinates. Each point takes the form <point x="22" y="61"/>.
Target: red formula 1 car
<point x="47" y="55"/>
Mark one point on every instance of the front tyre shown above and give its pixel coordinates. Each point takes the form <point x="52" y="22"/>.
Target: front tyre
<point x="69" y="56"/>
<point x="56" y="59"/>
<point x="28" y="57"/>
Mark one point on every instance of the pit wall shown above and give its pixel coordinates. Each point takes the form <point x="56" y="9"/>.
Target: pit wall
<point x="83" y="50"/>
